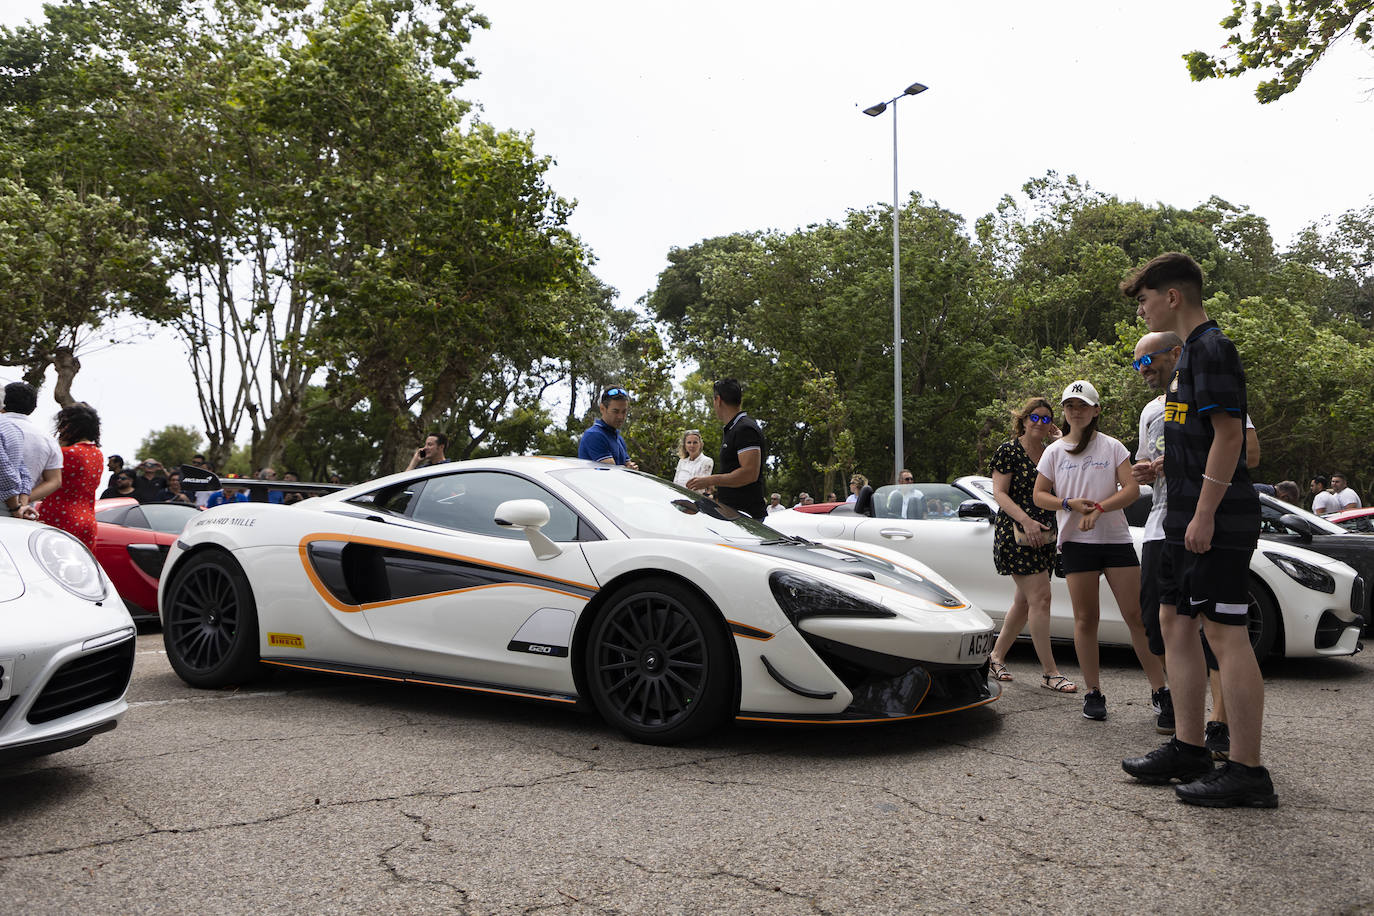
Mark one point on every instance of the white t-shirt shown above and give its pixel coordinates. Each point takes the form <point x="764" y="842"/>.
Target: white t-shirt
<point x="41" y="452"/>
<point x="1151" y="447"/>
<point x="1348" y="499"/>
<point x="687" y="468"/>
<point x="1088" y="475"/>
<point x="778" y="508"/>
<point x="1325" y="502"/>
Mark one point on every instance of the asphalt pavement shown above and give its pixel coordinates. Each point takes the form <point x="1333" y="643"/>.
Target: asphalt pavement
<point x="304" y="794"/>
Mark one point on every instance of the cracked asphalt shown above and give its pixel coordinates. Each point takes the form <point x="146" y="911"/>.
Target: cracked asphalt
<point x="304" y="794"/>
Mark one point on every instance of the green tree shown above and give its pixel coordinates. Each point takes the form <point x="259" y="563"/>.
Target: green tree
<point x="1285" y="40"/>
<point x="70" y="263"/>
<point x="173" y="445"/>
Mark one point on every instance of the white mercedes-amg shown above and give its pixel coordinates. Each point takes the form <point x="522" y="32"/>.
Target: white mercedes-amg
<point x="565" y="581"/>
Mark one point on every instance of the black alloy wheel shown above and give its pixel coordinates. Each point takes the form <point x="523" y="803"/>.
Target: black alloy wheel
<point x="1263" y="622"/>
<point x="210" y="624"/>
<point x="658" y="665"/>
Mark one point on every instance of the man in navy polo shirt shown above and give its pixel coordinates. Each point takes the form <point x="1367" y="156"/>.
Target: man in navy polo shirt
<point x="602" y="441"/>
<point x="1211" y="526"/>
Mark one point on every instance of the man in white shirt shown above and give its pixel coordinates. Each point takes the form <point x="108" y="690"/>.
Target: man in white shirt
<point x="1324" y="502"/>
<point x="775" y="503"/>
<point x="1346" y="498"/>
<point x="42" y="456"/>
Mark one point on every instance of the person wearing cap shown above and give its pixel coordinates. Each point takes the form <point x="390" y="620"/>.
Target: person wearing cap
<point x="1086" y="476"/>
<point x="602" y="441"/>
<point x="150" y="486"/>
<point x="1211" y="528"/>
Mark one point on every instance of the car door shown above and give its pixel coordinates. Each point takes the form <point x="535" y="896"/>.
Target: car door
<point x="453" y="594"/>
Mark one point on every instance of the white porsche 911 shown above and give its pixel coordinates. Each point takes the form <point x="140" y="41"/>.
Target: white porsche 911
<point x="1301" y="602"/>
<point x="570" y="582"/>
<point x="66" y="643"/>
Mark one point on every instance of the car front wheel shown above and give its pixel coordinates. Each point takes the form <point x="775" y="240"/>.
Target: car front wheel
<point x="210" y="622"/>
<point x="1263" y="622"/>
<point x="658" y="664"/>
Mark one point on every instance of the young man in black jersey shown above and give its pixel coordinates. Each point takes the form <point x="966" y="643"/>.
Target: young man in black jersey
<point x="1211" y="526"/>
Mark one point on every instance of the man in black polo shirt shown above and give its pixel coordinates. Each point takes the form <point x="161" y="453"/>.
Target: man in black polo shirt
<point x="739" y="484"/>
<point x="1211" y="526"/>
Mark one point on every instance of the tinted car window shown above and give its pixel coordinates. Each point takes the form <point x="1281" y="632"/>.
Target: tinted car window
<point x="468" y="501"/>
<point x="166" y="517"/>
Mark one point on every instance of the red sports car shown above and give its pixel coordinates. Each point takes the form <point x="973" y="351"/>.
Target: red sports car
<point x="131" y="541"/>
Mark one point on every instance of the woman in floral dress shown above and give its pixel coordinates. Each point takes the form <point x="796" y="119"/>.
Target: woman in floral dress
<point x="1029" y="565"/>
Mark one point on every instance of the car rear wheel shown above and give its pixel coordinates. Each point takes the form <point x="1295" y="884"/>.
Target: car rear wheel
<point x="658" y="663"/>
<point x="210" y="622"/>
<point x="1263" y="622"/>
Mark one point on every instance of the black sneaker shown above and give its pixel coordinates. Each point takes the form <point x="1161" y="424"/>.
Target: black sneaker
<point x="1233" y="786"/>
<point x="1218" y="740"/>
<point x="1094" y="705"/>
<point x="1163" y="702"/>
<point x="1174" y="760"/>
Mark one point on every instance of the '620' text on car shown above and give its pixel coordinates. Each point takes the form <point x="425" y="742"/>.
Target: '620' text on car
<point x="570" y="582"/>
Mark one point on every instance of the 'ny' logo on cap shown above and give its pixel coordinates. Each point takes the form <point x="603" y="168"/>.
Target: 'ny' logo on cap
<point x="1077" y="387"/>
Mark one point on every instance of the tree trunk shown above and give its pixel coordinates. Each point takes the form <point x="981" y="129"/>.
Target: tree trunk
<point x="67" y="365"/>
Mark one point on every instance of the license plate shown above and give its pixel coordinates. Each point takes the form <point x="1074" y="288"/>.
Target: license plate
<point x="976" y="646"/>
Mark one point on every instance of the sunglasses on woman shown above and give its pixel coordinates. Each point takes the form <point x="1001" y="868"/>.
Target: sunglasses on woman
<point x="1039" y="418"/>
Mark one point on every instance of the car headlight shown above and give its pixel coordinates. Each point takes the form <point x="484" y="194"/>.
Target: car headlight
<point x="801" y="597"/>
<point x="1304" y="573"/>
<point x="68" y="562"/>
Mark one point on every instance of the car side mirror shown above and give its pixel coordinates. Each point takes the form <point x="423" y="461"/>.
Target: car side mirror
<point x="1298" y="525"/>
<point x="528" y="516"/>
<point x="974" y="508"/>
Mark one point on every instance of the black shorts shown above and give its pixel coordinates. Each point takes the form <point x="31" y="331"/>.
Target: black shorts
<point x="1195" y="583"/>
<point x="1149" y="594"/>
<point x="1080" y="557"/>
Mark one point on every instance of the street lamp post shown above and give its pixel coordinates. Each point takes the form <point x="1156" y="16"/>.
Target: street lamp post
<point x="873" y="111"/>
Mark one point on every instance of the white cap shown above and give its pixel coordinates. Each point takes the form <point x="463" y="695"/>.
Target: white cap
<point x="1083" y="390"/>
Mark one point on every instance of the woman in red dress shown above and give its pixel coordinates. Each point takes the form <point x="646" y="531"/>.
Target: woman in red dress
<point x="71" y="506"/>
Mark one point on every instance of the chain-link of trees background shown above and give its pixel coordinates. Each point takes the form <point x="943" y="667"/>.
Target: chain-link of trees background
<point x="354" y="259"/>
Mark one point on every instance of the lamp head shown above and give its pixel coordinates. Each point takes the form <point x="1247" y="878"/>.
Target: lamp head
<point x="874" y="110"/>
<point x="915" y="89"/>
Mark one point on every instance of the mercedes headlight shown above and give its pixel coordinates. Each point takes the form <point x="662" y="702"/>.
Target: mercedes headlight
<point x="1304" y="573"/>
<point x="801" y="596"/>
<point x="68" y="562"/>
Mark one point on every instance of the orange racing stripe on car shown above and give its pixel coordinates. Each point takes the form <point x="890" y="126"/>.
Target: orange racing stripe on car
<point x="793" y="720"/>
<point x="417" y="680"/>
<point x="748" y="632"/>
<point x="396" y="545"/>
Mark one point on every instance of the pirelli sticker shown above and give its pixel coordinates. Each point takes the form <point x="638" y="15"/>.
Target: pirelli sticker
<point x="286" y="640"/>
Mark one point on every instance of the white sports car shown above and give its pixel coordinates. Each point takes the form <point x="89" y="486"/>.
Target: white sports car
<point x="571" y="582"/>
<point x="66" y="643"/>
<point x="1301" y="602"/>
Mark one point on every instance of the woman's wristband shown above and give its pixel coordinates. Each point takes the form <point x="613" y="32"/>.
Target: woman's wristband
<point x="1066" y="505"/>
<point x="1224" y="483"/>
<point x="1098" y="507"/>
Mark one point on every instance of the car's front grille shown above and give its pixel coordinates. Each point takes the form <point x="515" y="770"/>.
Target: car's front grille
<point x="85" y="682"/>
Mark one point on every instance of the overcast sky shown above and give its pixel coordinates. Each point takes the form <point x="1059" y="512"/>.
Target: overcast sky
<point x="671" y="123"/>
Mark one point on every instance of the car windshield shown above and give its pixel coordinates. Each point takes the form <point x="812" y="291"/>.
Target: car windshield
<point x="918" y="500"/>
<point x="1273" y="508"/>
<point x="644" y="506"/>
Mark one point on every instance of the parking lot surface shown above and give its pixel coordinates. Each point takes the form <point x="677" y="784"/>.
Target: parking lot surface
<point x="301" y="794"/>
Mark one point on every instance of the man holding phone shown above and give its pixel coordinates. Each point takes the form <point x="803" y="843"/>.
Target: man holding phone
<point x="431" y="453"/>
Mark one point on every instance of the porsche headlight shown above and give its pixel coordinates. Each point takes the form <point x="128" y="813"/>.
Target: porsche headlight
<point x="1303" y="573"/>
<point x="800" y="597"/>
<point x="68" y="562"/>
